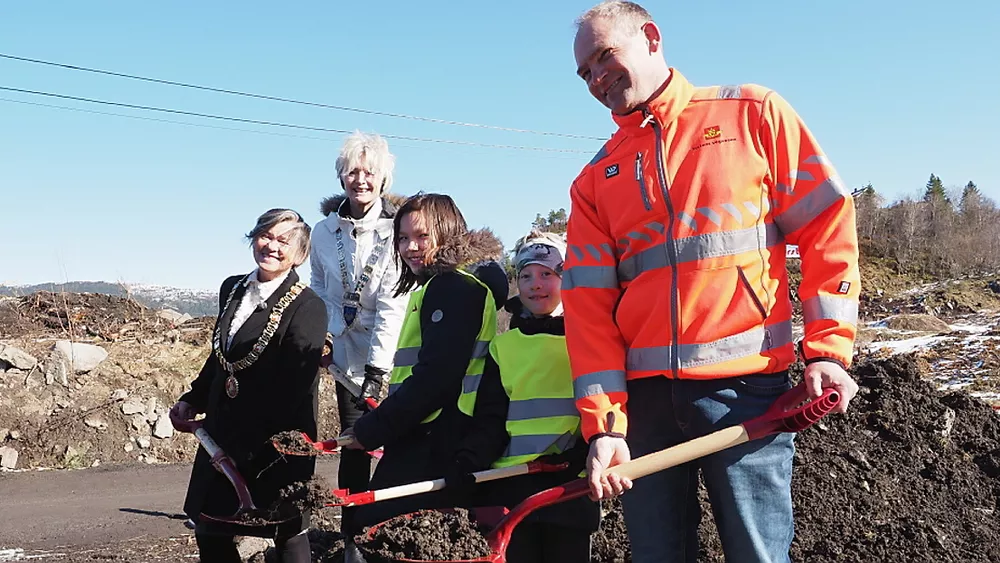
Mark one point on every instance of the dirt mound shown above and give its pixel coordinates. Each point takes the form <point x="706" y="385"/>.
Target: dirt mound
<point x="115" y="412"/>
<point x="908" y="474"/>
<point x="429" y="536"/>
<point x="944" y="299"/>
<point x="923" y="323"/>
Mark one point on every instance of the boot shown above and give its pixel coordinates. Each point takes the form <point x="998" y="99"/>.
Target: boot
<point x="295" y="550"/>
<point x="351" y="552"/>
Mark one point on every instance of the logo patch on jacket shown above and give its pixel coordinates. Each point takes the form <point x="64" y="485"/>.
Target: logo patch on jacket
<point x="712" y="132"/>
<point x="844" y="287"/>
<point x="611" y="171"/>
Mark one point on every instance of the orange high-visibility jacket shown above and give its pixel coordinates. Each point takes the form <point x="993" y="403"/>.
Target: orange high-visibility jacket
<point x="676" y="258"/>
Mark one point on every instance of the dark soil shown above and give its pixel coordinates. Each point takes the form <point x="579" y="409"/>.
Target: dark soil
<point x="431" y="535"/>
<point x="292" y="442"/>
<point x="305" y="495"/>
<point x="908" y="474"/>
<point x="610" y="544"/>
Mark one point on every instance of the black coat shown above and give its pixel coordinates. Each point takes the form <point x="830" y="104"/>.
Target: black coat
<point x="487" y="438"/>
<point x="278" y="392"/>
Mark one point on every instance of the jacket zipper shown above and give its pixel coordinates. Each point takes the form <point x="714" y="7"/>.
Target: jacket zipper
<point x="753" y="295"/>
<point x="641" y="178"/>
<point x="675" y="297"/>
<point x="760" y="306"/>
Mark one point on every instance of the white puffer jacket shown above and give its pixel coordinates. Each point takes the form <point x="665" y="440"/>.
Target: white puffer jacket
<point x="373" y="336"/>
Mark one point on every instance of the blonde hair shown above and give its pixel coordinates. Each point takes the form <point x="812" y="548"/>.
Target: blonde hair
<point x="622" y="13"/>
<point x="370" y="149"/>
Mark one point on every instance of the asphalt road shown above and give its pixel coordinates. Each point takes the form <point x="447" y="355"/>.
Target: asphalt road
<point x="56" y="509"/>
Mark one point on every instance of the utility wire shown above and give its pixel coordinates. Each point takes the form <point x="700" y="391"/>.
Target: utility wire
<point x="205" y="125"/>
<point x="300" y="102"/>
<point x="158" y="120"/>
<point x="278" y="124"/>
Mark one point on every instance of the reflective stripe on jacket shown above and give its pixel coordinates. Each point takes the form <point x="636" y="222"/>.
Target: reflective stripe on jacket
<point x="676" y="258"/>
<point x="542" y="418"/>
<point x="410" y="340"/>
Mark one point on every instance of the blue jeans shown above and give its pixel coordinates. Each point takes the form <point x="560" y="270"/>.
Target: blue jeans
<point x="749" y="485"/>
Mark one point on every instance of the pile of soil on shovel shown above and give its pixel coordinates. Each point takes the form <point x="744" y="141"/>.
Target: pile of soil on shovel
<point x="301" y="496"/>
<point x="433" y="535"/>
<point x="908" y="474"/>
<point x="292" y="442"/>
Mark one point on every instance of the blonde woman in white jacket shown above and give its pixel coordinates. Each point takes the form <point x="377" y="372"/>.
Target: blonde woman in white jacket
<point x="354" y="271"/>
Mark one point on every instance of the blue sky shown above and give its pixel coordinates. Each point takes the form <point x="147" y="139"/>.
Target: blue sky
<point x="893" y="90"/>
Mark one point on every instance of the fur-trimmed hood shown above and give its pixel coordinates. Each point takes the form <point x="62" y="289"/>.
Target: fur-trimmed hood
<point x="390" y="203"/>
<point x="478" y="253"/>
<point x="466" y="252"/>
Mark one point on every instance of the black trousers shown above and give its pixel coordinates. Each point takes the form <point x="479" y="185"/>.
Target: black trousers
<point x="538" y="542"/>
<point x="222" y="549"/>
<point x="355" y="465"/>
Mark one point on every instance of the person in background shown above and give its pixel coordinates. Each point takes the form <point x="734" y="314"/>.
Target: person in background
<point x="353" y="270"/>
<point x="525" y="412"/>
<point x="260" y="379"/>
<point x="678" y="318"/>
<point x="456" y="287"/>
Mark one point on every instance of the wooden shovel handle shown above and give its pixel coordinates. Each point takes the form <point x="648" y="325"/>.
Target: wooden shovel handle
<point x="787" y="414"/>
<point x="681" y="453"/>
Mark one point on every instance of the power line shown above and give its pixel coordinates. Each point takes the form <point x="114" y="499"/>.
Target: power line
<point x="203" y="125"/>
<point x="300" y="102"/>
<point x="158" y="120"/>
<point x="278" y="124"/>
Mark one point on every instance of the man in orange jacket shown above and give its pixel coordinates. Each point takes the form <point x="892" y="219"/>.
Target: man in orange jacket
<point x="678" y="317"/>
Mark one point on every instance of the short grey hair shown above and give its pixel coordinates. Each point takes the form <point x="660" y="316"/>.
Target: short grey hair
<point x="299" y="234"/>
<point x="371" y="148"/>
<point x="617" y="10"/>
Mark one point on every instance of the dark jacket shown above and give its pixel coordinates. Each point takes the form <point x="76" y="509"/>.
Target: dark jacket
<point x="415" y="451"/>
<point x="278" y="392"/>
<point x="487" y="439"/>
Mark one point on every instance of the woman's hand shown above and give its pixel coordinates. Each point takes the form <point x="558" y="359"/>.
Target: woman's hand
<point x="352" y="443"/>
<point x="182" y="416"/>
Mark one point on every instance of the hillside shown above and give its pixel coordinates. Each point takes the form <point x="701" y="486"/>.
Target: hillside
<point x="196" y="303"/>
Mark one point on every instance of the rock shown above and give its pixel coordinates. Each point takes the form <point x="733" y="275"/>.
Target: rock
<point x="119" y="395"/>
<point x="57" y="368"/>
<point x="250" y="546"/>
<point x="140" y="424"/>
<point x="143" y="442"/>
<point x="924" y="323"/>
<point x="16" y="358"/>
<point x="15" y="434"/>
<point x="4" y="432"/>
<point x="71" y="453"/>
<point x="8" y="457"/>
<point x="95" y="422"/>
<point x="83" y="357"/>
<point x="151" y="410"/>
<point x="133" y="406"/>
<point x="173" y="317"/>
<point x="163" y="428"/>
<point x="946" y="423"/>
<point x="96" y="463"/>
<point x="129" y="447"/>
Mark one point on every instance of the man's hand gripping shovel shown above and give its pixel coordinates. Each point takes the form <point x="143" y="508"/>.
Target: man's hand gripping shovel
<point x="787" y="414"/>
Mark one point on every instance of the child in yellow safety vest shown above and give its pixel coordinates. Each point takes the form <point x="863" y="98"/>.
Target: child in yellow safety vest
<point x="525" y="411"/>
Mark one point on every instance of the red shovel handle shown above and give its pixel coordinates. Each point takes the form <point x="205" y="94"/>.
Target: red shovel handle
<point x="225" y="465"/>
<point x="785" y="415"/>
